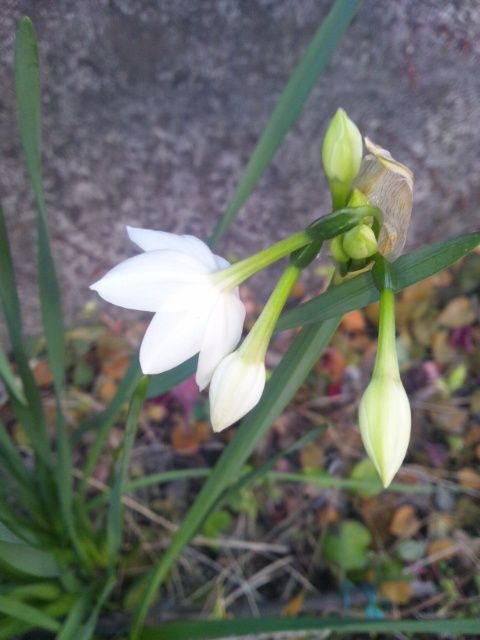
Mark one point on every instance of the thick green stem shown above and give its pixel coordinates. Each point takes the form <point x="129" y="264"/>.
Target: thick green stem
<point x="232" y="276"/>
<point x="255" y="344"/>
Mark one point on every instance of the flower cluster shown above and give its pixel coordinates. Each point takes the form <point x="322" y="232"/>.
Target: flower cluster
<point x="193" y="293"/>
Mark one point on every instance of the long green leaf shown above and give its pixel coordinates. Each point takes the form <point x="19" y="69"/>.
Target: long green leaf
<point x="28" y="560"/>
<point x="211" y="629"/>
<point x="360" y="291"/>
<point x="27" y="85"/>
<point x="289" y="105"/>
<point x="6" y="374"/>
<point x="26" y="613"/>
<point x="115" y="516"/>
<point x="285" y="380"/>
<point x="33" y="415"/>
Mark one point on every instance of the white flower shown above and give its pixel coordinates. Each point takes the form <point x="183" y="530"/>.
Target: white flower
<point x="236" y="387"/>
<point x="194" y="312"/>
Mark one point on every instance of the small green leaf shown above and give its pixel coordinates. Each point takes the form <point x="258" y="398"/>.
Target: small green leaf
<point x="365" y="472"/>
<point x="216" y="524"/>
<point x="347" y="549"/>
<point x="25" y="613"/>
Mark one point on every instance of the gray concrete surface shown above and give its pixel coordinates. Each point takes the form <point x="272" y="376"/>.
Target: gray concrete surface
<point x="151" y="109"/>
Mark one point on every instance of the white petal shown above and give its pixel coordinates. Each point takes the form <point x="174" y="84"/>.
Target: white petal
<point x="171" y="338"/>
<point x="137" y="282"/>
<point x="236" y="387"/>
<point x="150" y="240"/>
<point x="222" y="334"/>
<point x="221" y="263"/>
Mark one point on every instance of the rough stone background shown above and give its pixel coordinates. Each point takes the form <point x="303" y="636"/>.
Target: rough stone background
<point x="151" y="109"/>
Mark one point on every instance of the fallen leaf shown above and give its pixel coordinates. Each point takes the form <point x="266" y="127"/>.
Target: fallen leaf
<point x="443" y="548"/>
<point x="405" y="523"/>
<point x="353" y="322"/>
<point x="469" y="478"/>
<point x="397" y="591"/>
<point x="115" y="366"/>
<point x="459" y="312"/>
<point x="312" y="457"/>
<point x="107" y="390"/>
<point x="42" y="373"/>
<point x="294" y="607"/>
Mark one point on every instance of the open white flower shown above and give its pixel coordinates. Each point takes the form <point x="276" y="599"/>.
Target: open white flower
<point x="194" y="311"/>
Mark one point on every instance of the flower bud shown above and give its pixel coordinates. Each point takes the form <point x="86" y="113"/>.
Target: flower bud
<point x="341" y="155"/>
<point x="385" y="421"/>
<point x="336" y="249"/>
<point x="360" y="242"/>
<point x="236" y="387"/>
<point x="388" y="185"/>
<point x="384" y="413"/>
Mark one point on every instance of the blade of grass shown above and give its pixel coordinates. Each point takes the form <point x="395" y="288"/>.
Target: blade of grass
<point x="285" y="380"/>
<point x="328" y="482"/>
<point x="289" y="105"/>
<point x="34" y="417"/>
<point x="361" y="291"/>
<point x="211" y="629"/>
<point x="25" y="613"/>
<point x="103" y="422"/>
<point x="88" y="629"/>
<point x="115" y="513"/>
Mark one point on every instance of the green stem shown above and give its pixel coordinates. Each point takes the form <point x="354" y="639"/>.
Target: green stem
<point x="234" y="275"/>
<point x="386" y="362"/>
<point x="254" y="347"/>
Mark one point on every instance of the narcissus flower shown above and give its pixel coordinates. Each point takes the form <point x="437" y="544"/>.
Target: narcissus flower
<point x="384" y="415"/>
<point x="388" y="185"/>
<point x="238" y="382"/>
<point x="196" y="311"/>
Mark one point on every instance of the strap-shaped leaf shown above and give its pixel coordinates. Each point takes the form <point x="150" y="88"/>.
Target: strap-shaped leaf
<point x="210" y="629"/>
<point x="360" y="291"/>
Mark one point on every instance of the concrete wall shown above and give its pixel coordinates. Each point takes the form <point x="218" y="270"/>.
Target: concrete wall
<point x="151" y="109"/>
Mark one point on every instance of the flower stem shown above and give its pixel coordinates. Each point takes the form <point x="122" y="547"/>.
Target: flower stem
<point x="255" y="345"/>
<point x="235" y="274"/>
<point x="386" y="362"/>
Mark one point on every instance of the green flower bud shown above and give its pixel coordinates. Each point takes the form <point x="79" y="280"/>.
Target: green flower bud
<point x="341" y="155"/>
<point x="388" y="185"/>
<point x="384" y="414"/>
<point x="336" y="249"/>
<point x="360" y="242"/>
